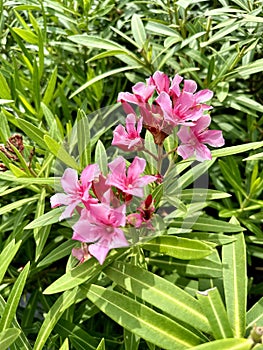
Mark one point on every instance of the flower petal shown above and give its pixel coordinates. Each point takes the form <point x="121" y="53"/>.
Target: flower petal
<point x="69" y="181"/>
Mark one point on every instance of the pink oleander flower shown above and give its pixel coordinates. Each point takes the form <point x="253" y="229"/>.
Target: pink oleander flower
<point x="143" y="218"/>
<point x="100" y="226"/>
<point x="193" y="139"/>
<point x="76" y="191"/>
<point x="131" y="183"/>
<point x="129" y="139"/>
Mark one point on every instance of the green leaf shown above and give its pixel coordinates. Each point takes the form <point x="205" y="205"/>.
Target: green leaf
<point x="138" y="30"/>
<point x="207" y="267"/>
<point x="7" y="256"/>
<point x="32" y="132"/>
<point x="56" y="311"/>
<point x="4" y="88"/>
<point x="17" y="204"/>
<point x="222" y="89"/>
<point x="255" y="314"/>
<point x="101" y="345"/>
<point x="160" y="293"/>
<point x="177" y="247"/>
<point x="248" y="69"/>
<point x="141" y="320"/>
<point x="8" y="337"/>
<point x="80" y="274"/>
<point x="206" y="225"/>
<point x="103" y="76"/>
<point x="226" y="344"/>
<point x="96" y="42"/>
<point x="27" y="35"/>
<point x="215" y="312"/>
<point x="22" y="341"/>
<point x="7" y="176"/>
<point x="60" y="152"/>
<point x="14" y="299"/>
<point x="65" y="345"/>
<point x="60" y="252"/>
<point x="235" y="283"/>
<point x="46" y="219"/>
<point x="49" y="93"/>
<point x="101" y="157"/>
<point x="221" y="34"/>
<point x="83" y="137"/>
<point x="227" y="151"/>
<point x="78" y="336"/>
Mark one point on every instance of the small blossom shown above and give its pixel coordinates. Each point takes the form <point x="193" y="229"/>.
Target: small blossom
<point x="193" y="139"/>
<point x="76" y="191"/>
<point x="131" y="183"/>
<point x="129" y="139"/>
<point x="100" y="226"/>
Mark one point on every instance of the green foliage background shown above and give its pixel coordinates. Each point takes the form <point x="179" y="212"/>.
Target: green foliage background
<point x="61" y="62"/>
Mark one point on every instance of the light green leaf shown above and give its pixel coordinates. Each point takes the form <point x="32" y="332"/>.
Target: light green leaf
<point x="7" y="337"/>
<point x="206" y="225"/>
<point x="7" y="256"/>
<point x="49" y="93"/>
<point x="4" y="88"/>
<point x="27" y="35"/>
<point x="22" y="341"/>
<point x="235" y="283"/>
<point x="101" y="345"/>
<point x="215" y="312"/>
<point x="103" y="76"/>
<point x="227" y="151"/>
<point x="141" y="320"/>
<point x="207" y="267"/>
<point x="101" y="157"/>
<point x="13" y="299"/>
<point x="222" y="89"/>
<point x="59" y="151"/>
<point x="138" y="30"/>
<point x="83" y="137"/>
<point x="60" y="252"/>
<point x="226" y="344"/>
<point x="80" y="274"/>
<point x="177" y="247"/>
<point x="46" y="219"/>
<point x="62" y="303"/>
<point x="221" y="34"/>
<point x="159" y="28"/>
<point x="34" y="133"/>
<point x="96" y="42"/>
<point x="160" y="293"/>
<point x="255" y="314"/>
<point x="255" y="156"/>
<point x="65" y="345"/>
<point x="7" y="176"/>
<point x="9" y="207"/>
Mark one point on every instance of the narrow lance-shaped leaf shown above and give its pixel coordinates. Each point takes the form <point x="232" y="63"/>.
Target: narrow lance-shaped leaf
<point x="235" y="283"/>
<point x="226" y="344"/>
<point x="7" y="256"/>
<point x="159" y="292"/>
<point x="142" y="320"/>
<point x="215" y="312"/>
<point x="7" y="337"/>
<point x="138" y="30"/>
<point x="13" y="299"/>
<point x="180" y="248"/>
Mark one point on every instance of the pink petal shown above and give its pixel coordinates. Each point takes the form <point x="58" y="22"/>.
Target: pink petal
<point x="201" y="124"/>
<point x="164" y="101"/>
<point x="202" y="153"/>
<point x="142" y="91"/>
<point x="68" y="212"/>
<point x="59" y="199"/>
<point x="186" y="151"/>
<point x="190" y="86"/>
<point x="213" y="138"/>
<point x="175" y="88"/>
<point x="203" y="96"/>
<point x="161" y="81"/>
<point x="91" y="172"/>
<point x="136" y="169"/>
<point x="127" y="97"/>
<point x="118" y="167"/>
<point x="130" y="124"/>
<point x="185" y="134"/>
<point x="118" y="239"/>
<point x="69" y="181"/>
<point x="99" y="252"/>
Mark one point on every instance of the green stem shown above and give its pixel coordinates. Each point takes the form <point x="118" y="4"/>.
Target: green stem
<point x="160" y="158"/>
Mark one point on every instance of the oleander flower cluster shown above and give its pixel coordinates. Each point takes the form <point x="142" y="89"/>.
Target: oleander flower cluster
<point x="103" y="203"/>
<point x="163" y="105"/>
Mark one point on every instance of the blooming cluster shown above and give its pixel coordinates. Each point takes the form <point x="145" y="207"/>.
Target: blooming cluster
<point x="103" y="202"/>
<point x="164" y="105"/>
